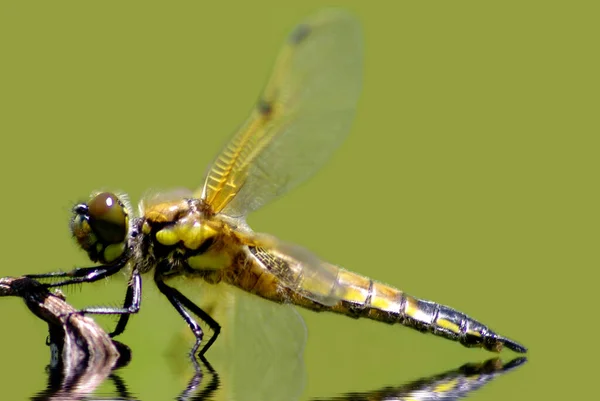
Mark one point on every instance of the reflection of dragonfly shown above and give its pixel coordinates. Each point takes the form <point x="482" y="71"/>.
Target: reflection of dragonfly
<point x="304" y="113"/>
<point x="450" y="385"/>
<point x="83" y="357"/>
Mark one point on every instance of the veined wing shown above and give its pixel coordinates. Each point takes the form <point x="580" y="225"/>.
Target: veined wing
<point x="250" y="325"/>
<point x="267" y="345"/>
<point x="305" y="111"/>
<point x="260" y="352"/>
<point x="298" y="269"/>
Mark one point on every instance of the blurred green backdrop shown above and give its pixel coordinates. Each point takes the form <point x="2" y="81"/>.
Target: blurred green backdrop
<point x="477" y="128"/>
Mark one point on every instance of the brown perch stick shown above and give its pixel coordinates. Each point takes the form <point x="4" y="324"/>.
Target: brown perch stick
<point x="80" y="349"/>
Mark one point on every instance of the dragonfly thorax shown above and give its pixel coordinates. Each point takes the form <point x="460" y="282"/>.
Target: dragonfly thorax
<point x="184" y="231"/>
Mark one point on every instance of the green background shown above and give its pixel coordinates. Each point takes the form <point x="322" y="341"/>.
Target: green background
<point x="476" y="131"/>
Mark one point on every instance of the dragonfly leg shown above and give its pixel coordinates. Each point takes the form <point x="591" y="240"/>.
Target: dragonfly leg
<point x="83" y="274"/>
<point x="133" y="300"/>
<point x="182" y="304"/>
<point x="131" y="305"/>
<point x="95" y="273"/>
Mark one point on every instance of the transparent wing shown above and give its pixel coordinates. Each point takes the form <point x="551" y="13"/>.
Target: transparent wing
<point x="298" y="269"/>
<point x="246" y="319"/>
<point x="305" y="111"/>
<point x="259" y="354"/>
<point x="267" y="327"/>
<point x="269" y="340"/>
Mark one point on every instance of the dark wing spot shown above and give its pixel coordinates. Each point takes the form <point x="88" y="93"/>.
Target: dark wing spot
<point x="299" y="34"/>
<point x="265" y="108"/>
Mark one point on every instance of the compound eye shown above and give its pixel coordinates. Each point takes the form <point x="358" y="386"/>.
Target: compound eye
<point x="108" y="218"/>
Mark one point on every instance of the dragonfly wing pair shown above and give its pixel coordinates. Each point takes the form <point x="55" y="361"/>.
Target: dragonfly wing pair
<point x="304" y="113"/>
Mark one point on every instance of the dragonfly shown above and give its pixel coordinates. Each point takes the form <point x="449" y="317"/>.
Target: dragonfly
<point x="304" y="113"/>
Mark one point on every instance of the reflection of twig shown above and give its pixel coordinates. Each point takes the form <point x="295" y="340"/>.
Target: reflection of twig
<point x="82" y="354"/>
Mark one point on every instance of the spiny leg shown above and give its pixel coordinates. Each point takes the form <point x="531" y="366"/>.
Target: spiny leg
<point x="90" y="274"/>
<point x="133" y="299"/>
<point x="206" y="318"/>
<point x="180" y="302"/>
<point x="82" y="274"/>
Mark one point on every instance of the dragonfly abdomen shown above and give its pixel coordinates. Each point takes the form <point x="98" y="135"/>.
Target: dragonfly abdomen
<point x="363" y="297"/>
<point x="269" y="274"/>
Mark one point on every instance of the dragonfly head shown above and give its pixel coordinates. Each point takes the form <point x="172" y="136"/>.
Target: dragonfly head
<point x="101" y="227"/>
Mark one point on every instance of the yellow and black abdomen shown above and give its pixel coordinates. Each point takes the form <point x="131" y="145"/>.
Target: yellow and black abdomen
<point x="285" y="273"/>
<point x="364" y="297"/>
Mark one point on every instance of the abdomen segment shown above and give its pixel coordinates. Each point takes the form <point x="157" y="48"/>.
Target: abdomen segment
<point x="364" y="297"/>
